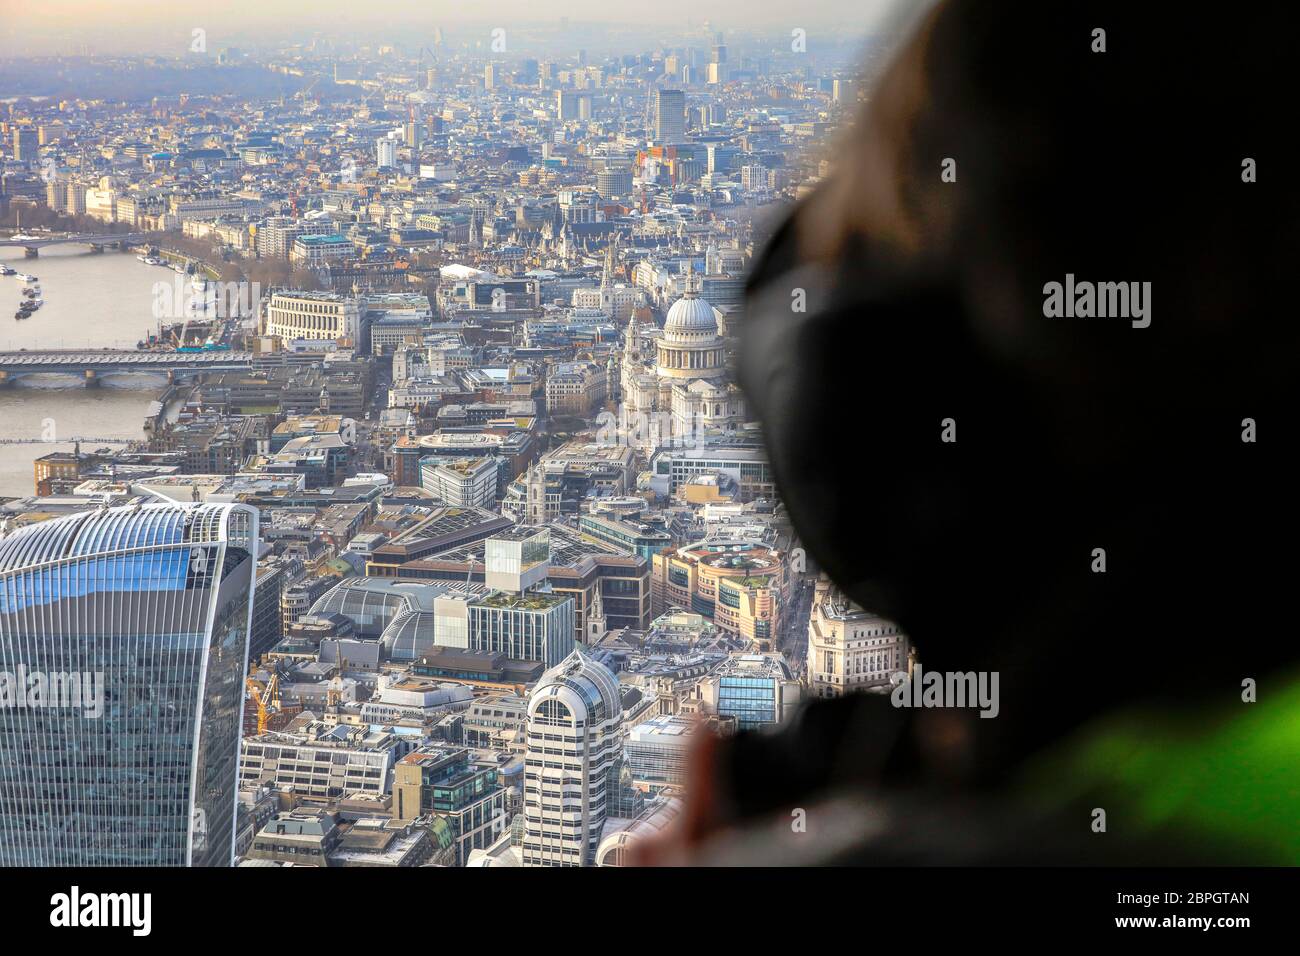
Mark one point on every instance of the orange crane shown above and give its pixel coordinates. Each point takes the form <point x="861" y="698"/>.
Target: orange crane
<point x="264" y="698"/>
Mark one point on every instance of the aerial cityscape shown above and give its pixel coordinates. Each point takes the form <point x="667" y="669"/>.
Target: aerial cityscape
<point x="374" y="482"/>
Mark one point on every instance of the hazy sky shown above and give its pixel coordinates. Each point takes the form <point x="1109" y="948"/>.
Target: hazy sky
<point x="149" y="26"/>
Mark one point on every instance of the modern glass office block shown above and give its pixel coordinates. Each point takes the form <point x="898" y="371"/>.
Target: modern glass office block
<point x="517" y="559"/>
<point x="526" y="627"/>
<point x="751" y="700"/>
<point x="123" y="643"/>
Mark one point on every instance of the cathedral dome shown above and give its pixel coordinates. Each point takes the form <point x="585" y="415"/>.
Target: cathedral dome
<point x="692" y="314"/>
<point x="691" y="346"/>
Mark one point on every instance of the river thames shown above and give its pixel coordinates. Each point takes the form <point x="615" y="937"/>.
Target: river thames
<point x="91" y="300"/>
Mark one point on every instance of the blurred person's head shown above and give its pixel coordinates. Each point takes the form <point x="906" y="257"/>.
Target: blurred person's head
<point x="1003" y="150"/>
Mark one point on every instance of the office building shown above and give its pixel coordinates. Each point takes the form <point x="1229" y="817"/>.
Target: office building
<point x="496" y="722"/>
<point x="75" y="201"/>
<point x="322" y="760"/>
<point x="317" y="252"/>
<point x="517" y="559"/>
<point x="25" y="148"/>
<point x="737" y="583"/>
<point x="614" y="183"/>
<point x="566" y="105"/>
<point x="462" y="482"/>
<point x="267" y="627"/>
<point x="742" y="458"/>
<point x="575" y="388"/>
<point x="442" y="781"/>
<point x="578" y="567"/>
<point x="315" y="316"/>
<point x="302" y="837"/>
<point x="311" y="836"/>
<point x="755" y="690"/>
<point x="572" y="762"/>
<point x="669" y="116"/>
<point x="275" y="237"/>
<point x="850" y="649"/>
<point x="297" y="599"/>
<point x="625" y="534"/>
<point x="656" y="752"/>
<point x="537" y="626"/>
<point x="140" y="616"/>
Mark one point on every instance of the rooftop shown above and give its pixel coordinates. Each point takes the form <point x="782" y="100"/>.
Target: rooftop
<point x="529" y="601"/>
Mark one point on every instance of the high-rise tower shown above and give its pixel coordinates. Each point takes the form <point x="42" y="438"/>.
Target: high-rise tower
<point x="670" y="117"/>
<point x="573" y="761"/>
<point x="123" y="641"/>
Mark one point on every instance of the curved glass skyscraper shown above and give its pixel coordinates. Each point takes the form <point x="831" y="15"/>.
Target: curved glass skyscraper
<point x="123" y="641"/>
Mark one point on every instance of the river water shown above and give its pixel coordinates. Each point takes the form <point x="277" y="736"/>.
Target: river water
<point x="91" y="300"/>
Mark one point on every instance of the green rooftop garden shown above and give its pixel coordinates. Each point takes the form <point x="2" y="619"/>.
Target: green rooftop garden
<point x="526" y="602"/>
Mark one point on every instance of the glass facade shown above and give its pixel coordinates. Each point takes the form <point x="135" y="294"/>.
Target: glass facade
<point x="644" y="542"/>
<point x="624" y="601"/>
<point x="518" y="562"/>
<point x="410" y="636"/>
<point x="123" y="641"/>
<point x="751" y="700"/>
<point x="655" y="762"/>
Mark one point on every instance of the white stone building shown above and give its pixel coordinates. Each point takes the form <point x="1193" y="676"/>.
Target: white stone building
<point x="684" y="393"/>
<point x="850" y="649"/>
<point x="313" y="316"/>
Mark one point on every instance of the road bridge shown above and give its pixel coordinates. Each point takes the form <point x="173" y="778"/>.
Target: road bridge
<point x="34" y="243"/>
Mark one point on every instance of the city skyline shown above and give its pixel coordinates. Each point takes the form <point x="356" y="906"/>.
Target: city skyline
<point x="457" y="319"/>
<point x="138" y="27"/>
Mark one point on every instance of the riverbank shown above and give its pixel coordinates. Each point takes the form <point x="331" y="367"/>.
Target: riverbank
<point x="92" y="300"/>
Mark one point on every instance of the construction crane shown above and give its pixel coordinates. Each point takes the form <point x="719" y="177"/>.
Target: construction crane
<point x="264" y="698"/>
<point x="178" y="339"/>
<point x="377" y="92"/>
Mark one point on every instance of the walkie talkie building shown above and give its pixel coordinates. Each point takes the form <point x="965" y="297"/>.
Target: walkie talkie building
<point x="123" y="640"/>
